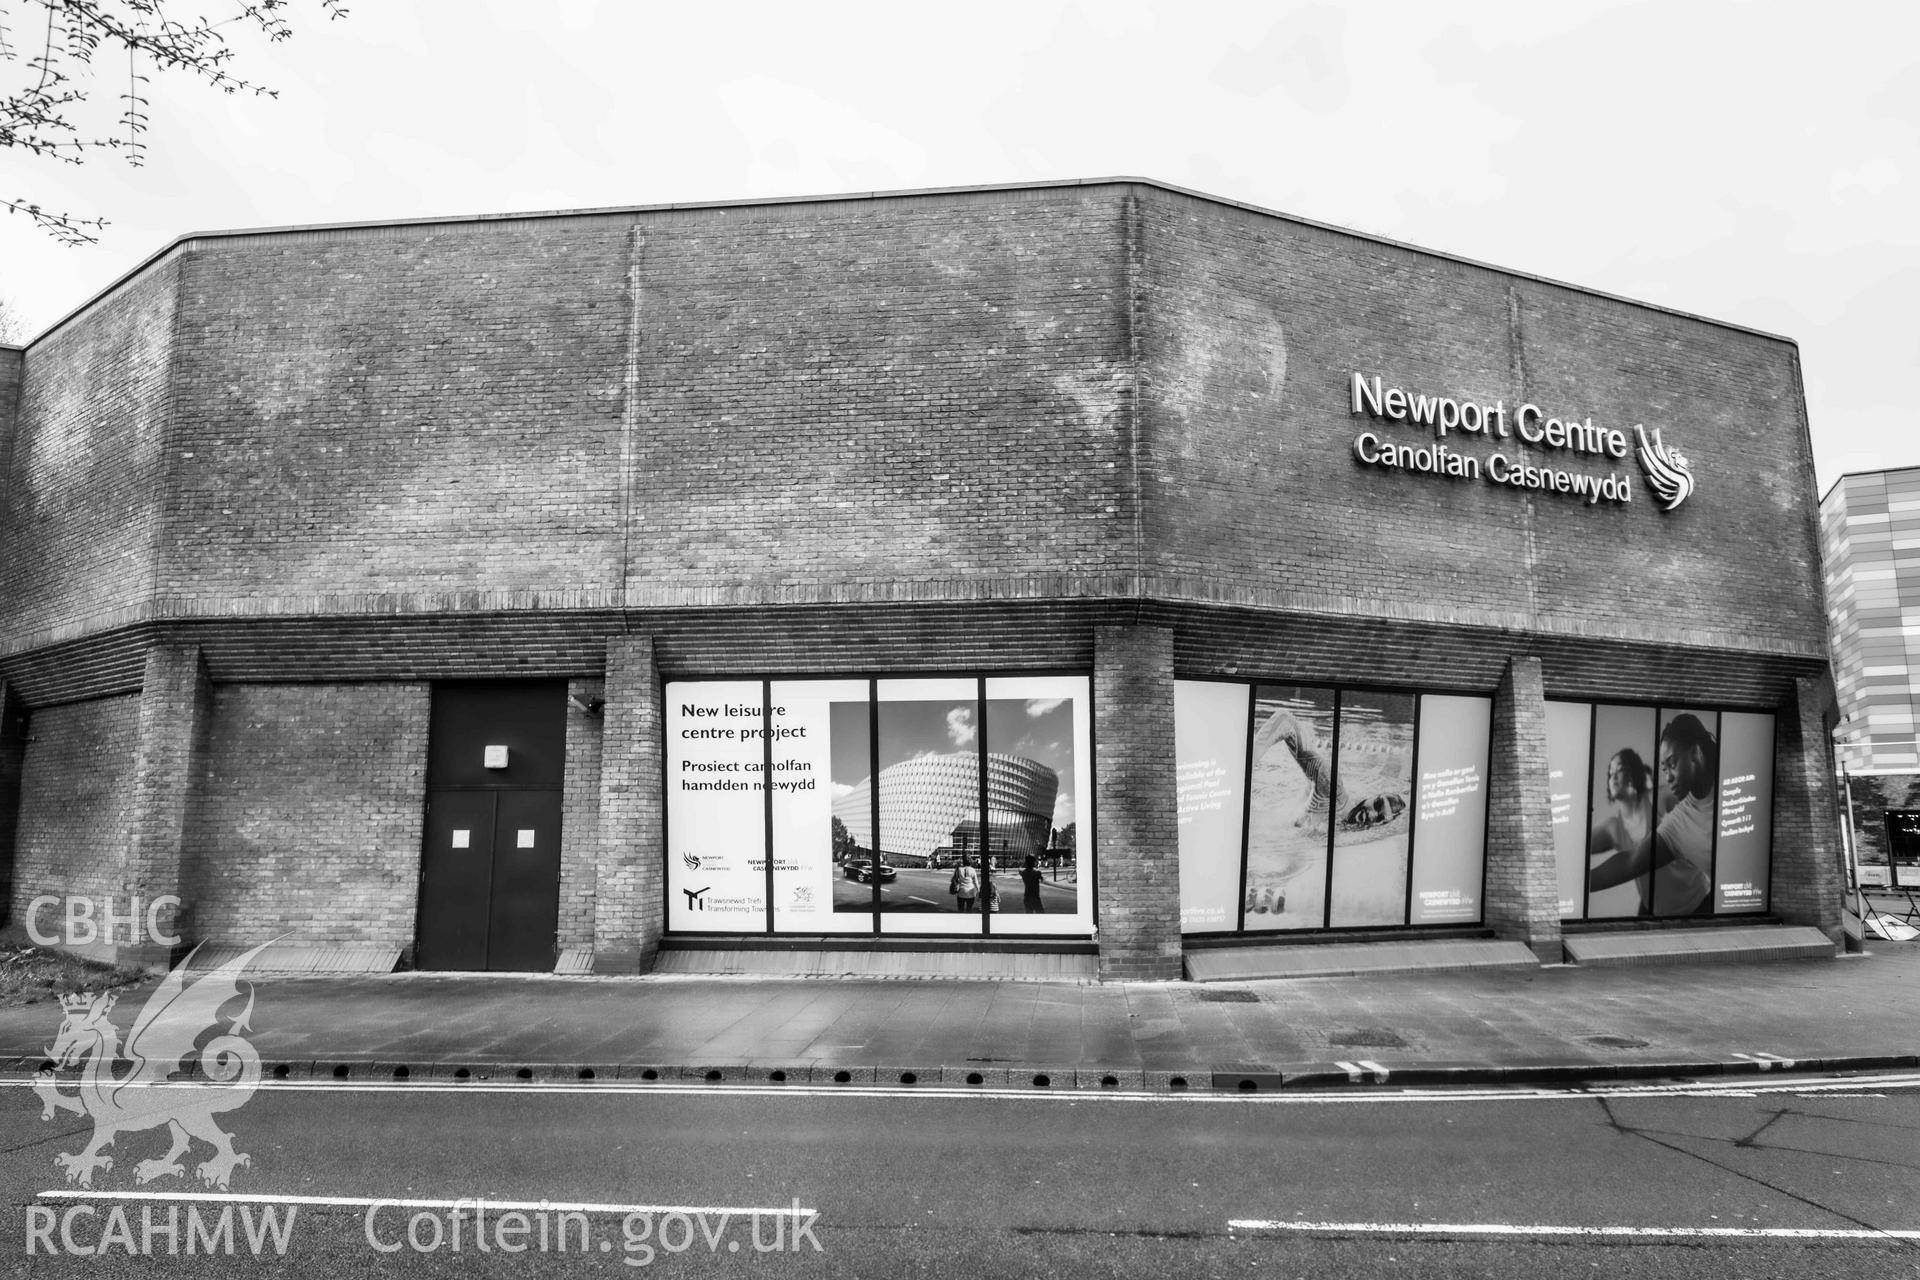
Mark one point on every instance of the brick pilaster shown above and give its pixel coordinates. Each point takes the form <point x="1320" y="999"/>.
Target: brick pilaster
<point x="1809" y="864"/>
<point x="629" y="902"/>
<point x="1137" y="853"/>
<point x="176" y="707"/>
<point x="1522" y="895"/>
<point x="580" y="815"/>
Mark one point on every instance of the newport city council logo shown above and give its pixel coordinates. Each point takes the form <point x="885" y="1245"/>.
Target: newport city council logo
<point x="163" y="1039"/>
<point x="1667" y="473"/>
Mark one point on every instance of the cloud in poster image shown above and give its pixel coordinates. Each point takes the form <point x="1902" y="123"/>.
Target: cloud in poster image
<point x="960" y="726"/>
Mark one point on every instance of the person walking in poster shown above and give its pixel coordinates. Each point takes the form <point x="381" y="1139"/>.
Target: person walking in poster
<point x="965" y="885"/>
<point x="1030" y="877"/>
<point x="1680" y="850"/>
<point x="1630" y="791"/>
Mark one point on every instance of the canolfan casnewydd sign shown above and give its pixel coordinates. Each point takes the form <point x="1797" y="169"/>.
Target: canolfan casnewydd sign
<point x="1580" y="449"/>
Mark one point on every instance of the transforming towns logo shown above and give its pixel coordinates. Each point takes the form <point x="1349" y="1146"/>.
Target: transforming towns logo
<point x="694" y="898"/>
<point x="1667" y="472"/>
<point x="162" y="1045"/>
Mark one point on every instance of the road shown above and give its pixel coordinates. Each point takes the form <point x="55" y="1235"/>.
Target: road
<point x="937" y="1183"/>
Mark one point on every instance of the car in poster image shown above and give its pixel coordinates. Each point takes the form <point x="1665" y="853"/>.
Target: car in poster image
<point x="860" y="870"/>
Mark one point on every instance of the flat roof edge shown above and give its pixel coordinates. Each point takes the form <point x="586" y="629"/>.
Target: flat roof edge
<point x="449" y="220"/>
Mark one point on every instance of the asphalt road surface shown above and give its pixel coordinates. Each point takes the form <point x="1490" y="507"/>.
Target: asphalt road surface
<point x="1792" y="1178"/>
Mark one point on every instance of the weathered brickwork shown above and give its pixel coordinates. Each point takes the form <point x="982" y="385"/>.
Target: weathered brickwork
<point x="1251" y="331"/>
<point x="1809" y="869"/>
<point x="307" y="816"/>
<point x="13" y="758"/>
<point x="83" y="492"/>
<point x="1088" y="427"/>
<point x="580" y="815"/>
<point x="1138" y="865"/>
<point x="630" y="905"/>
<point x="76" y="805"/>
<point x="1522" y="896"/>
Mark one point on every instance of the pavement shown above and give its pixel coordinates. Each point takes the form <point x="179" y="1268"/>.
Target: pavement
<point x="1563" y="1023"/>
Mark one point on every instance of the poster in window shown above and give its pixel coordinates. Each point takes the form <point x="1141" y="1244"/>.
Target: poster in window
<point x="1740" y="862"/>
<point x="1290" y="807"/>
<point x="928" y="845"/>
<point x="1569" y="737"/>
<point x="810" y="844"/>
<point x="1372" y="809"/>
<point x="1210" y="761"/>
<point x="716" y="807"/>
<point x="1621" y="800"/>
<point x="1039" y="800"/>
<point x="1686" y="791"/>
<point x="1450" y="809"/>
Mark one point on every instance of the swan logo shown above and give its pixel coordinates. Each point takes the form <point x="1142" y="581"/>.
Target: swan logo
<point x="1667" y="472"/>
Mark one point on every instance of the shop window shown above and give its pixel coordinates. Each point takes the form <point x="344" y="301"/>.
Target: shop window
<point x="946" y="806"/>
<point x="1660" y="811"/>
<point x="1312" y="808"/>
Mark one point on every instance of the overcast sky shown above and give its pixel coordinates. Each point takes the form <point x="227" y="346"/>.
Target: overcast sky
<point x="1754" y="163"/>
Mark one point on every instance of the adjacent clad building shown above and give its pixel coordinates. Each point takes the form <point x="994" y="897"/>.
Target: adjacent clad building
<point x="593" y="590"/>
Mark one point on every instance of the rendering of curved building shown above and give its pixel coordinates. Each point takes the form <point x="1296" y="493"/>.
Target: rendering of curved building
<point x="923" y="804"/>
<point x="521" y="591"/>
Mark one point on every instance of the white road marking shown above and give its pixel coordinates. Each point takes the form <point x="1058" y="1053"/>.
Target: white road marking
<point x="1541" y="1229"/>
<point x="467" y="1202"/>
<point x="1869" y="1086"/>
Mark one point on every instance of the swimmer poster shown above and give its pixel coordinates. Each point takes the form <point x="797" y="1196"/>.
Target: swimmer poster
<point x="1289" y="807"/>
<point x="1372" y="819"/>
<point x="1450" y="810"/>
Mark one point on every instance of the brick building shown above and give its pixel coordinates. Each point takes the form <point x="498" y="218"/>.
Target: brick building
<point x="521" y="591"/>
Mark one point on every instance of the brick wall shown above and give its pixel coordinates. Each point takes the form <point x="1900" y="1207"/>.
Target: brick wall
<point x="1250" y="332"/>
<point x="630" y="908"/>
<point x="580" y="817"/>
<point x="1138" y="867"/>
<point x="13" y="758"/>
<point x="1809" y="862"/>
<point x="1522" y="899"/>
<point x="308" y="818"/>
<point x="80" y="501"/>
<point x="76" y="804"/>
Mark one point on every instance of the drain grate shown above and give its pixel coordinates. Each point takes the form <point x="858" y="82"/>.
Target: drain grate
<point x="1213" y="995"/>
<point x="1368" y="1038"/>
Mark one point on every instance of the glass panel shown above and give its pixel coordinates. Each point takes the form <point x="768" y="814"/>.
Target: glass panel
<point x="1372" y="819"/>
<point x="1450" y="831"/>
<point x="1685" y="791"/>
<point x="1038" y="797"/>
<point x="1621" y="799"/>
<point x="1290" y="808"/>
<point x="1569" y="737"/>
<point x="810" y="841"/>
<point x="1210" y="759"/>
<point x="716" y="808"/>
<point x="1746" y="813"/>
<point x="930" y="806"/>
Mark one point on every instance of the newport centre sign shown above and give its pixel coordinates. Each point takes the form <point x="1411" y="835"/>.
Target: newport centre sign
<point x="1582" y="458"/>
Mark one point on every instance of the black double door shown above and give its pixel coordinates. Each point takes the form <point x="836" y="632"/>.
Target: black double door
<point x="490" y="868"/>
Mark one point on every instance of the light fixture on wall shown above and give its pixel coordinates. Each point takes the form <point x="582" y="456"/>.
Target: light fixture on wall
<point x="592" y="706"/>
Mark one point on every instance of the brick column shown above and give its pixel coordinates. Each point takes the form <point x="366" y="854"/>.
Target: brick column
<point x="176" y="706"/>
<point x="629" y="904"/>
<point x="13" y="760"/>
<point x="1809" y="864"/>
<point x="1523" y="892"/>
<point x="580" y="818"/>
<point x="1137" y="855"/>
